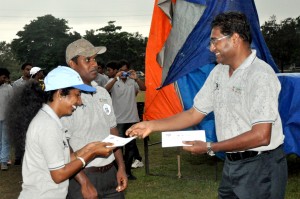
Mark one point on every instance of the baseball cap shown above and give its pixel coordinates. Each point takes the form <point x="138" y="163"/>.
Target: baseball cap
<point x="83" y="47"/>
<point x="64" y="77"/>
<point x="35" y="70"/>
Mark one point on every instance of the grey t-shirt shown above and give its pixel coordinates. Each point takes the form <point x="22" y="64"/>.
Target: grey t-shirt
<point x="123" y="96"/>
<point x="46" y="149"/>
<point x="91" y="122"/>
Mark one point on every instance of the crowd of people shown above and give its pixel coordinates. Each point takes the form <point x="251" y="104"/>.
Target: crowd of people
<point x="58" y="122"/>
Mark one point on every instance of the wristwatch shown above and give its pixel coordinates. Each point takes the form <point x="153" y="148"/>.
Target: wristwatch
<point x="209" y="149"/>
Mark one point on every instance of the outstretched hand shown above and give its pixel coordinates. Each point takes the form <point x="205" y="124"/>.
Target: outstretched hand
<point x="197" y="147"/>
<point x="141" y="130"/>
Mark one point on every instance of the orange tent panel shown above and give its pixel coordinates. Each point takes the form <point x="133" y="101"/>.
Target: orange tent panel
<point x="164" y="102"/>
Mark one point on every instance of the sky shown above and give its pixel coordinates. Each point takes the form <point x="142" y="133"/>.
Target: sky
<point x="132" y="15"/>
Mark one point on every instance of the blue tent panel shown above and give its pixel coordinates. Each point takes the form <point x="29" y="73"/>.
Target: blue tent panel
<point x="189" y="85"/>
<point x="289" y="110"/>
<point x="195" y="52"/>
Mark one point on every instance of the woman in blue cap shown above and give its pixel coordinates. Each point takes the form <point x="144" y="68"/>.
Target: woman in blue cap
<point x="47" y="162"/>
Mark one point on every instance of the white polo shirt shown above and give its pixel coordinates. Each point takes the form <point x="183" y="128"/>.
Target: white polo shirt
<point x="46" y="149"/>
<point x="91" y="122"/>
<point x="6" y="93"/>
<point x="123" y="96"/>
<point x="248" y="97"/>
<point x="19" y="82"/>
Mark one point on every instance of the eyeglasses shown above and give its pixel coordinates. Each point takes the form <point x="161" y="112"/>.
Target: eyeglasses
<point x="213" y="41"/>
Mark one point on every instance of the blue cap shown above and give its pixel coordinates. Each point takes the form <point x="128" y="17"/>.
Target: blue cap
<point x="64" y="77"/>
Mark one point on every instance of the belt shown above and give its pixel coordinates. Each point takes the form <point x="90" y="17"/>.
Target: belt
<point x="242" y="155"/>
<point x="102" y="169"/>
<point x="246" y="154"/>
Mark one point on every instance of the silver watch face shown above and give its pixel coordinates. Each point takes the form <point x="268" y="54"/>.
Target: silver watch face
<point x="209" y="150"/>
<point x="211" y="153"/>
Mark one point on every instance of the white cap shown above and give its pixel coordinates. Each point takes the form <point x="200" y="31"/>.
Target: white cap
<point x="35" y="70"/>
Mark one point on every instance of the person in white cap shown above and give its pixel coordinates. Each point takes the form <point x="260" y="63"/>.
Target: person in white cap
<point x="47" y="163"/>
<point x="37" y="73"/>
<point x="94" y="121"/>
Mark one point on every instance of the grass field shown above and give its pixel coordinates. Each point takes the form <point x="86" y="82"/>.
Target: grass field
<point x="198" y="176"/>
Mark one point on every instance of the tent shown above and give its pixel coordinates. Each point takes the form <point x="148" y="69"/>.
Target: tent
<point x="178" y="60"/>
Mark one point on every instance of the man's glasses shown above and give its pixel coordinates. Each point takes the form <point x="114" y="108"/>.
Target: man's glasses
<point x="213" y="41"/>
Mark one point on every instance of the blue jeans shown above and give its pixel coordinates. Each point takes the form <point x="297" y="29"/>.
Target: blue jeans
<point x="4" y="143"/>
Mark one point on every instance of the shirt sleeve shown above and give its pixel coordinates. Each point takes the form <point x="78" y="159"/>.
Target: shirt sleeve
<point x="203" y="101"/>
<point x="263" y="101"/>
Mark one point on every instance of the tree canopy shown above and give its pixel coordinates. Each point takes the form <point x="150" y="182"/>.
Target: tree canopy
<point x="8" y="60"/>
<point x="283" y="40"/>
<point x="43" y="42"/>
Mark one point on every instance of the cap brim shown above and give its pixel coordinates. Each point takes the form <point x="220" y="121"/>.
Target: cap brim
<point x="101" y="49"/>
<point x="84" y="87"/>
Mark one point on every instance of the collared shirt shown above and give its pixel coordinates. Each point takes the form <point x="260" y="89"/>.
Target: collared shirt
<point x="46" y="149"/>
<point x="248" y="97"/>
<point x="101" y="80"/>
<point x="91" y="122"/>
<point x="123" y="96"/>
<point x="6" y="93"/>
<point x="19" y="82"/>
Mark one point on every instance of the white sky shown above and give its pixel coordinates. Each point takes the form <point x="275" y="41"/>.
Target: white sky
<point x="132" y="15"/>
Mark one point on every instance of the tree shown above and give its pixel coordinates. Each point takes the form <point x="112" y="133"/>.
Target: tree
<point x="43" y="42"/>
<point x="8" y="60"/>
<point x="120" y="45"/>
<point x="283" y="40"/>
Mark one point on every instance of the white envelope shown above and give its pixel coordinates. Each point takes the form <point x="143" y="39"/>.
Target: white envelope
<point x="117" y="141"/>
<point x="175" y="138"/>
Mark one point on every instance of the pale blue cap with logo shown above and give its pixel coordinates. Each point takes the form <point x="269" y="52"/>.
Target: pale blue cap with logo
<point x="64" y="77"/>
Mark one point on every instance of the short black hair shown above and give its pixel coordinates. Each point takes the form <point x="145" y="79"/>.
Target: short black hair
<point x="25" y="64"/>
<point x="233" y="22"/>
<point x="123" y="62"/>
<point x="75" y="59"/>
<point x="113" y="65"/>
<point x="4" y="71"/>
<point x="101" y="63"/>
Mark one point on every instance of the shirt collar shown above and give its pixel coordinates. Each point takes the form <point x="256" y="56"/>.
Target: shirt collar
<point x="47" y="109"/>
<point x="249" y="60"/>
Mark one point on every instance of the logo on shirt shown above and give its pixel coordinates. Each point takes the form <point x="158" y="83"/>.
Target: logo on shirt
<point x="237" y="90"/>
<point x="106" y="109"/>
<point x="103" y="100"/>
<point x="217" y="86"/>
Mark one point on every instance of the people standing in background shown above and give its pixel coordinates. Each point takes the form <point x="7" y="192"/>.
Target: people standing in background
<point x="112" y="68"/>
<point x="37" y="73"/>
<point x="124" y="85"/>
<point x="101" y="78"/>
<point x="93" y="121"/>
<point x="26" y="67"/>
<point x="6" y="93"/>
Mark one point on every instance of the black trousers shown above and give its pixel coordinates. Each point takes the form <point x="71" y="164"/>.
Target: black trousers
<point x="261" y="177"/>
<point x="105" y="183"/>
<point x="131" y="149"/>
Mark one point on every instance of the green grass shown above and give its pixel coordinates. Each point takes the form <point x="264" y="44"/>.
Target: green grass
<point x="198" y="176"/>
